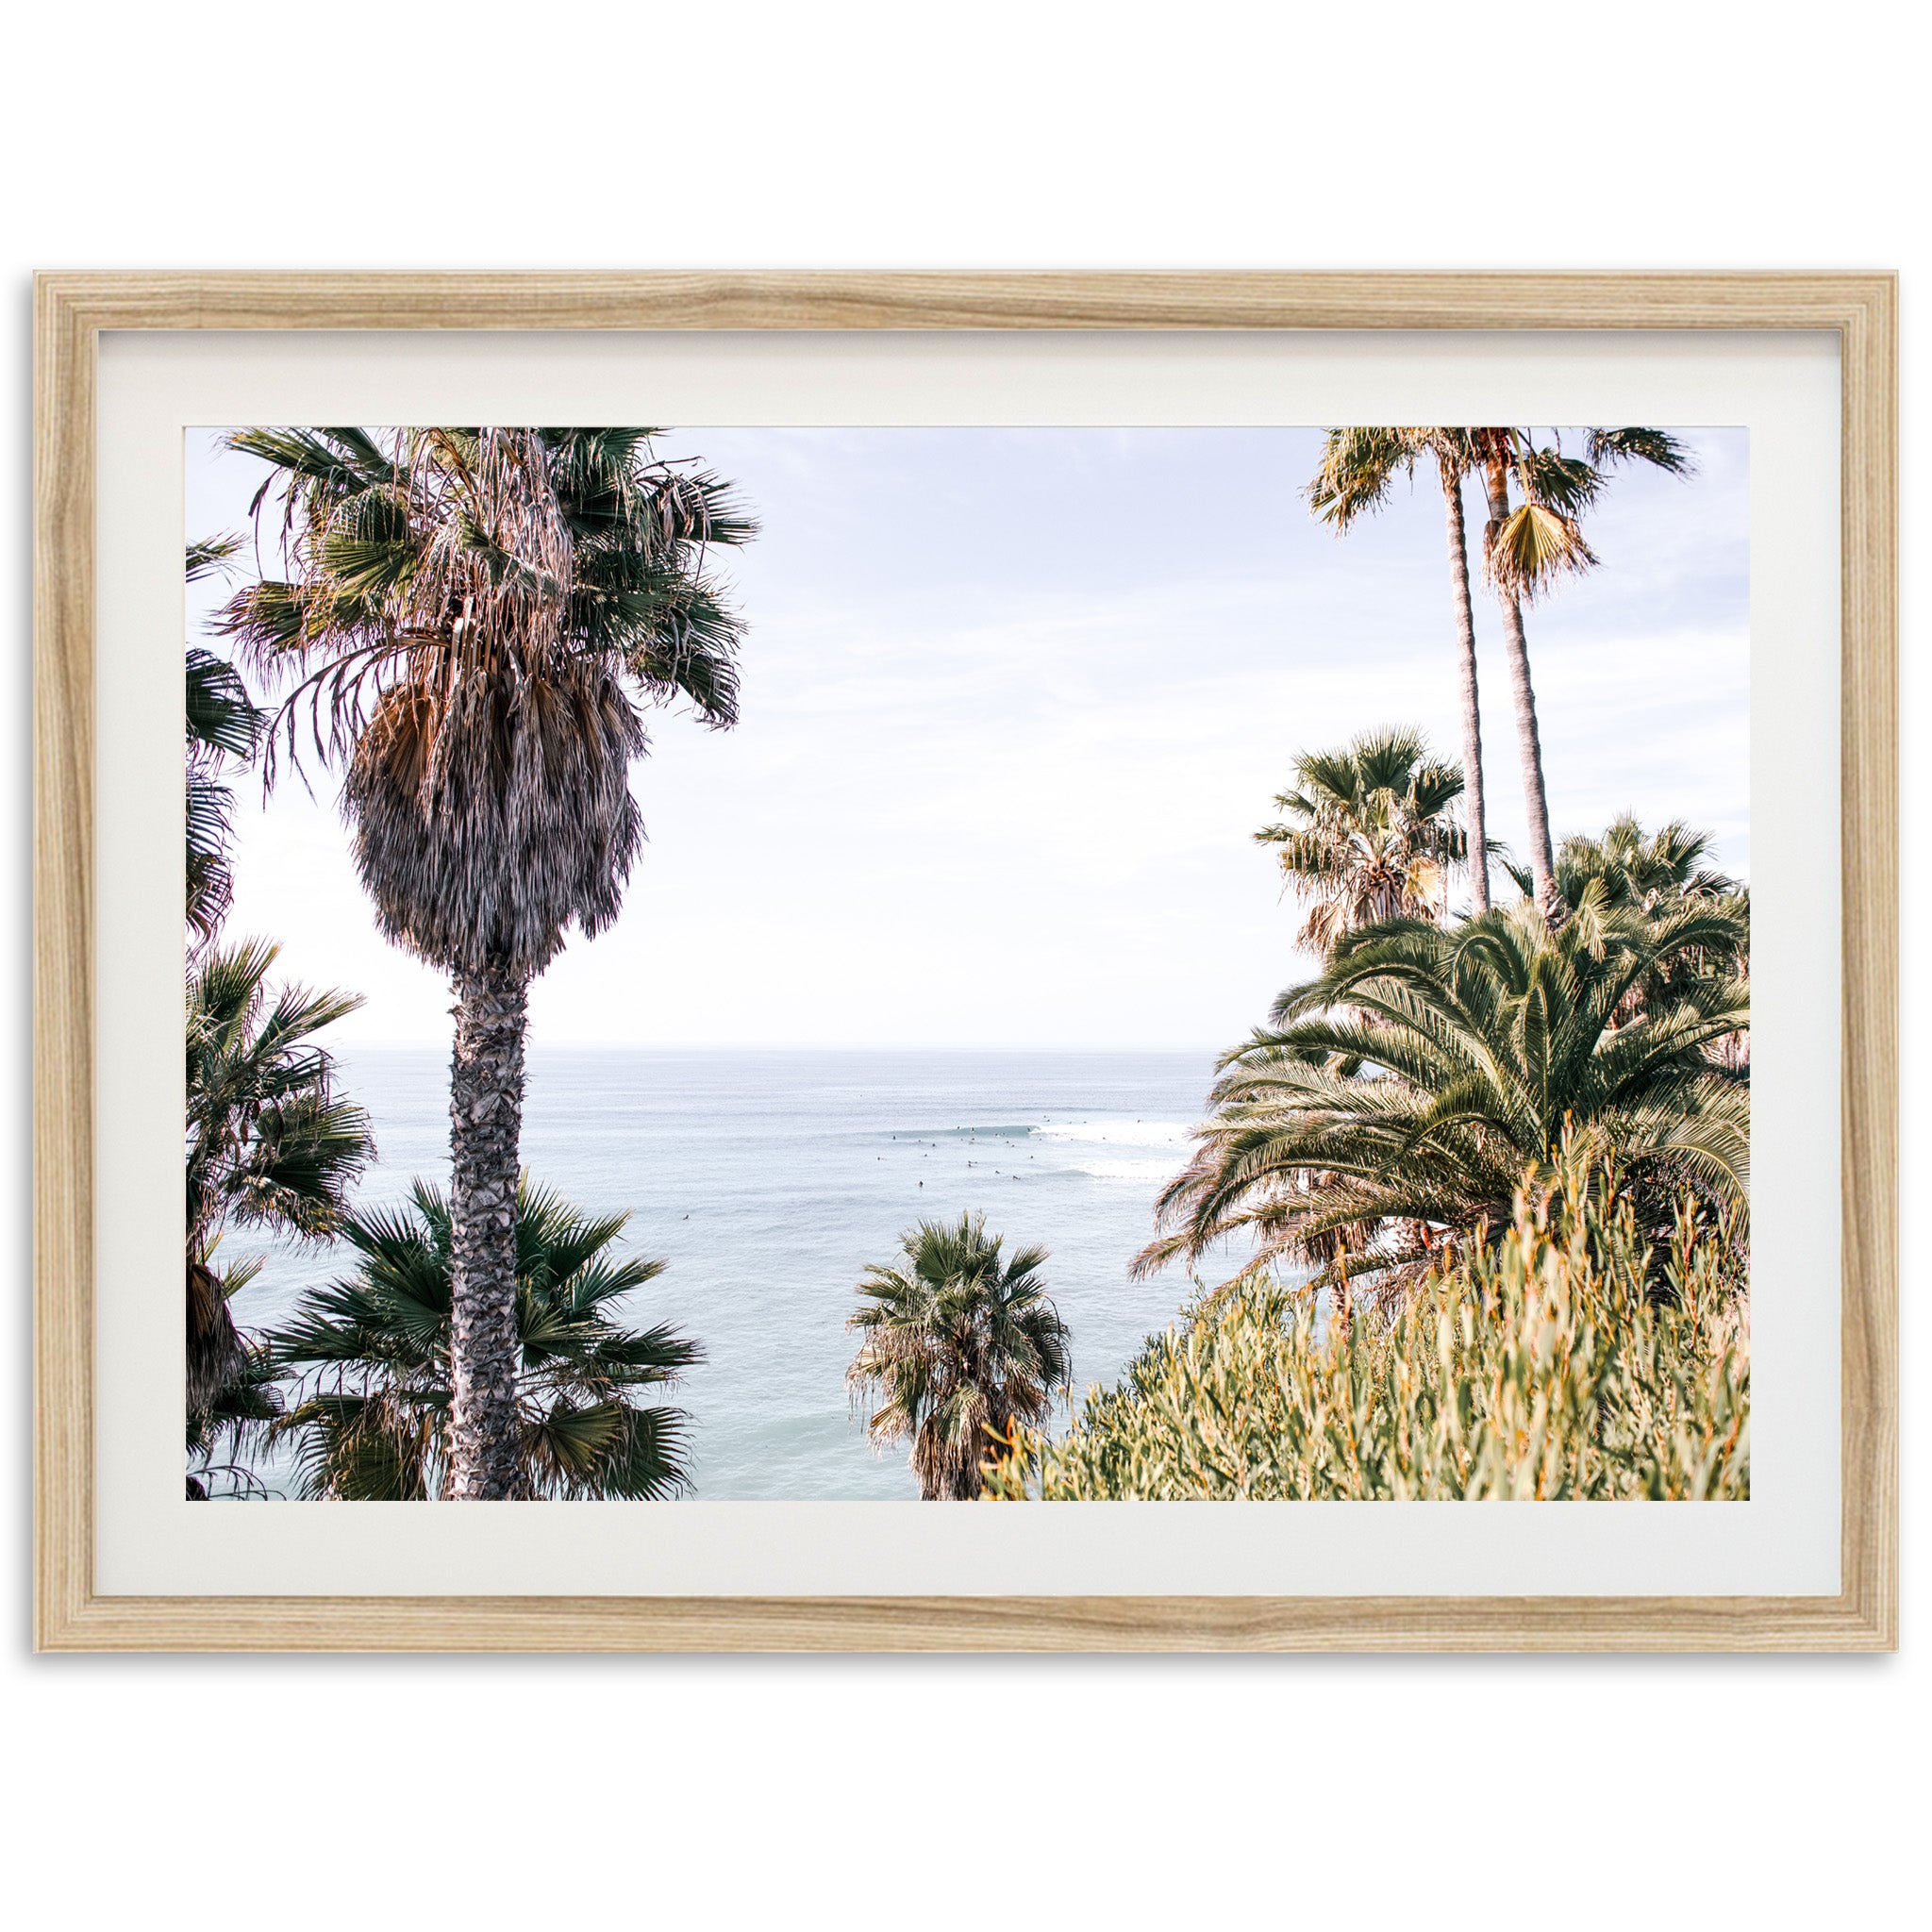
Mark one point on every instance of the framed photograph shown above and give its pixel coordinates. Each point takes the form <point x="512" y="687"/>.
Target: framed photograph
<point x="791" y="900"/>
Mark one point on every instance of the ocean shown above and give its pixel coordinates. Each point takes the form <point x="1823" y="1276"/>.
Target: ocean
<point x="770" y="1181"/>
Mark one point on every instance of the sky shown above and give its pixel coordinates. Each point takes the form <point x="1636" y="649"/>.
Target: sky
<point x="1014" y="703"/>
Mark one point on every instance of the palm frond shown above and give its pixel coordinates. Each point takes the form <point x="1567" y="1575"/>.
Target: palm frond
<point x="212" y="555"/>
<point x="1657" y="447"/>
<point x="372" y="1356"/>
<point x="1532" y="546"/>
<point x="960" y="1342"/>
<point x="1413" y="1082"/>
<point x="474" y="621"/>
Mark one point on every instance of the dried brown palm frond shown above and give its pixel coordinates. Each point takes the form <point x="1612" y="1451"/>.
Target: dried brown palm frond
<point x="486" y="817"/>
<point x="474" y="618"/>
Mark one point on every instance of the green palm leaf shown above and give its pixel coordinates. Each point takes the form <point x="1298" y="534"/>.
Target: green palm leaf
<point x="960" y="1345"/>
<point x="370" y="1355"/>
<point x="1409" y="1086"/>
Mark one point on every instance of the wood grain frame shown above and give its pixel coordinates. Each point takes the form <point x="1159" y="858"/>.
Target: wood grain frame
<point x="71" y="309"/>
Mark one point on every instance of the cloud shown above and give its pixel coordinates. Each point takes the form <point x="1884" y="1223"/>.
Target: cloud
<point x="1014" y="704"/>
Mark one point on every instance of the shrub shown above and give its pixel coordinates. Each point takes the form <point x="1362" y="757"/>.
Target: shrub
<point x="1573" y="1359"/>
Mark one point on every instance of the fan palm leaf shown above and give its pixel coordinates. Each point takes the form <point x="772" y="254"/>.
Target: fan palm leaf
<point x="1368" y="833"/>
<point x="372" y="1353"/>
<point x="223" y="727"/>
<point x="271" y="1144"/>
<point x="1528" y="548"/>
<point x="959" y="1345"/>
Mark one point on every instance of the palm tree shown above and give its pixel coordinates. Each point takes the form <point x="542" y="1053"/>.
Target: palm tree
<point x="1650" y="872"/>
<point x="374" y="1421"/>
<point x="959" y="1346"/>
<point x="1358" y="465"/>
<point x="225" y="1437"/>
<point x="478" y="616"/>
<point x="222" y="727"/>
<point x="270" y="1143"/>
<point x="1369" y="834"/>
<point x="1525" y="549"/>
<point x="1636" y="868"/>
<point x="1400" y="1097"/>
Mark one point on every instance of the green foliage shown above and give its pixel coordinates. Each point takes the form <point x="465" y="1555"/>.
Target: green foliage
<point x="959" y="1343"/>
<point x="371" y="1422"/>
<point x="1575" y="1359"/>
<point x="223" y="730"/>
<point x="1635" y="869"/>
<point x="1360" y="465"/>
<point x="226" y="1434"/>
<point x="1542" y="539"/>
<point x="270" y="1143"/>
<point x="1405" y="1090"/>
<point x="1368" y="833"/>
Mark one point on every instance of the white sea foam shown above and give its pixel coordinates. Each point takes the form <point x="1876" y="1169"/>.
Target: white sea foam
<point x="1121" y="1133"/>
<point x="1130" y="1170"/>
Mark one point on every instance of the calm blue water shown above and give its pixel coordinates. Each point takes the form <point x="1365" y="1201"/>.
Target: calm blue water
<point x="770" y="1181"/>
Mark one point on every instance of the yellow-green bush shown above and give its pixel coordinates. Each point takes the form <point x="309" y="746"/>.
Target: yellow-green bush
<point x="1573" y="1359"/>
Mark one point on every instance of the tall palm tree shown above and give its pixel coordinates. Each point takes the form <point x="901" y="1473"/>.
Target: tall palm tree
<point x="1358" y="466"/>
<point x="959" y="1346"/>
<point x="373" y="1421"/>
<point x="1399" y="1097"/>
<point x="1525" y="549"/>
<point x="477" y="617"/>
<point x="1369" y="833"/>
<point x="270" y="1144"/>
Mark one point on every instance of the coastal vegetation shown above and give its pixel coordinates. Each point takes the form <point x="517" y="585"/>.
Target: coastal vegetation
<point x="372" y="1417"/>
<point x="1368" y="833"/>
<point x="271" y="1144"/>
<point x="1529" y="541"/>
<point x="1396" y="1100"/>
<point x="223" y="730"/>
<point x="473" y="622"/>
<point x="959" y="1346"/>
<point x="1490" y="1172"/>
<point x="1480" y="1178"/>
<point x="1572" y="1357"/>
<point x="1493" y="1176"/>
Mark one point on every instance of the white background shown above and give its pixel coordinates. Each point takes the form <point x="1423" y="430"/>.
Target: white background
<point x="166" y="1790"/>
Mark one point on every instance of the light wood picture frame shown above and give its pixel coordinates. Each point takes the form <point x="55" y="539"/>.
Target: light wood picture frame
<point x="73" y="310"/>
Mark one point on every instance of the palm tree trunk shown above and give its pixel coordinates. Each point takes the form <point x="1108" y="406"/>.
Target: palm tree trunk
<point x="1472" y="714"/>
<point x="486" y="1108"/>
<point x="1543" y="863"/>
<point x="1340" y="1303"/>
